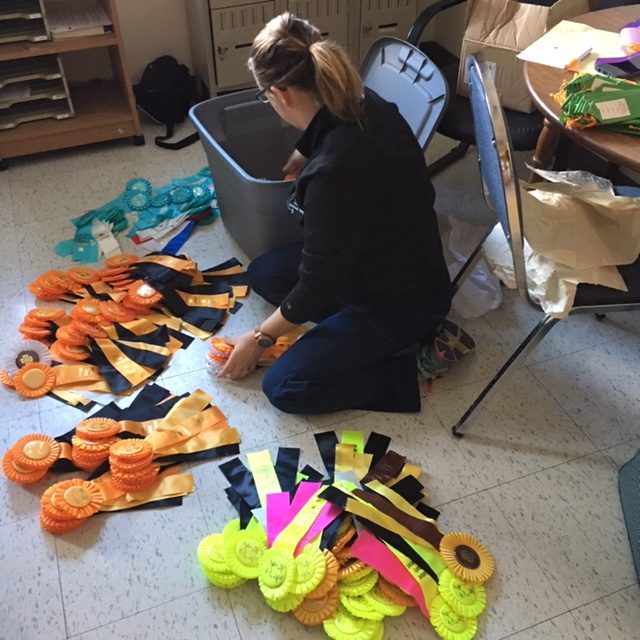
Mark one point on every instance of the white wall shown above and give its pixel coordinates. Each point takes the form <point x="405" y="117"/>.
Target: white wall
<point x="152" y="28"/>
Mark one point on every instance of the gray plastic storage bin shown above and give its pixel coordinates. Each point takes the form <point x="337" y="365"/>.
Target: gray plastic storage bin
<point x="247" y="143"/>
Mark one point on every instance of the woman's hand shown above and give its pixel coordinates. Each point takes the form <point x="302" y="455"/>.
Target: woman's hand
<point x="294" y="165"/>
<point x="243" y="359"/>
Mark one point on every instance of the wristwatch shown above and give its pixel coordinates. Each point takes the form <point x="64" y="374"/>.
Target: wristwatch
<point x="263" y="339"/>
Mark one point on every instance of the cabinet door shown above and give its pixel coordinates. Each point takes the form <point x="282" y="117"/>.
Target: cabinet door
<point x="234" y="29"/>
<point x="330" y="16"/>
<point x="380" y="18"/>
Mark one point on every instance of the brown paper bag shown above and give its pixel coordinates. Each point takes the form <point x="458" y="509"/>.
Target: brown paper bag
<point x="581" y="227"/>
<point x="500" y="29"/>
<point x="573" y="234"/>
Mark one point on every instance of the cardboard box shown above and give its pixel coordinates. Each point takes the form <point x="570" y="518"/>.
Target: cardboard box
<point x="500" y="29"/>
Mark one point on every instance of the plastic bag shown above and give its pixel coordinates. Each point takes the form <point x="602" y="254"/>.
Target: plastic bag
<point x="481" y="291"/>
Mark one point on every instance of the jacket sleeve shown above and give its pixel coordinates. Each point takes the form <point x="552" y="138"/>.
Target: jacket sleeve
<point x="330" y="218"/>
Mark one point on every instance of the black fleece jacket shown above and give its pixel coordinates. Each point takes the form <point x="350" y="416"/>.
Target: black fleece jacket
<point x="371" y="235"/>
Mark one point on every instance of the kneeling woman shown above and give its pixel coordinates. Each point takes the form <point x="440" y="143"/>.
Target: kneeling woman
<point x="370" y="271"/>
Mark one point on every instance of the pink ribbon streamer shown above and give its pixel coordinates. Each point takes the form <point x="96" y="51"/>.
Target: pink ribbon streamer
<point x="326" y="516"/>
<point x="280" y="517"/>
<point x="374" y="553"/>
<point x="277" y="507"/>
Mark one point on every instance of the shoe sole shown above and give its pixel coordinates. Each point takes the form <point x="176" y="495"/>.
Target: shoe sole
<point x="457" y="338"/>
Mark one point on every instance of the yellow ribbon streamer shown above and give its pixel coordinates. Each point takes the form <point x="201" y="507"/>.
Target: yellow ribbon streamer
<point x="362" y="464"/>
<point x="76" y="373"/>
<point x="185" y="419"/>
<point x="431" y="557"/>
<point x="196" y="276"/>
<point x="354" y="438"/>
<point x="214" y="301"/>
<point x="369" y="512"/>
<point x="398" y="501"/>
<point x="344" y="458"/>
<point x="186" y="407"/>
<point x="165" y="318"/>
<point x="409" y="470"/>
<point x="169" y="485"/>
<point x="178" y="264"/>
<point x="171" y="435"/>
<point x="197" y="332"/>
<point x="140" y="327"/>
<point x="291" y="535"/>
<point x="72" y="399"/>
<point x="427" y="584"/>
<point x="264" y="475"/>
<point x="141" y="428"/>
<point x="240" y="290"/>
<point x="143" y="346"/>
<point x="229" y="271"/>
<point x="132" y="371"/>
<point x="204" y="441"/>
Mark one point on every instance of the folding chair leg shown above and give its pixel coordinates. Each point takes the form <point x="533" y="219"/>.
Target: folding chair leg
<point x="448" y="158"/>
<point x="470" y="264"/>
<point x="525" y="348"/>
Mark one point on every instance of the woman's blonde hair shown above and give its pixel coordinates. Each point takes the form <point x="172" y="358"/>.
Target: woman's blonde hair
<point x="290" y="52"/>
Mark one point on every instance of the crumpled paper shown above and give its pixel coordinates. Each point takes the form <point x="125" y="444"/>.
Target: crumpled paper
<point x="576" y="231"/>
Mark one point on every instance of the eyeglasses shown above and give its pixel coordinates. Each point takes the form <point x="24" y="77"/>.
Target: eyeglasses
<point x="261" y="96"/>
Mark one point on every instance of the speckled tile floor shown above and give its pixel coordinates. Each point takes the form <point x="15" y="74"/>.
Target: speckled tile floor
<point x="535" y="478"/>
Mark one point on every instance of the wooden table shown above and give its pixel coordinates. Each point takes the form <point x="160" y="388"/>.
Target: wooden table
<point x="618" y="148"/>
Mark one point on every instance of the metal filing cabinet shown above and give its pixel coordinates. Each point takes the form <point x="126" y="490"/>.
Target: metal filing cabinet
<point x="221" y="31"/>
<point x="384" y="18"/>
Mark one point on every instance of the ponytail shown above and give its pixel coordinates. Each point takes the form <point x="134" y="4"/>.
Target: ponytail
<point x="337" y="81"/>
<point x="290" y="52"/>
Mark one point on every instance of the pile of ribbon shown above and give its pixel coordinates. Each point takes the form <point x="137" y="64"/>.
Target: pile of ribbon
<point x="126" y="323"/>
<point x="164" y="217"/>
<point x="221" y="350"/>
<point x="346" y="548"/>
<point x="590" y="100"/>
<point x="130" y="455"/>
<point x="606" y="98"/>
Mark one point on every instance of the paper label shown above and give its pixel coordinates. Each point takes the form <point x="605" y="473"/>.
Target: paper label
<point x="613" y="109"/>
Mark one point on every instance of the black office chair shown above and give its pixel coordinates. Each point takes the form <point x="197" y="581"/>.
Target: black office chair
<point x="456" y="122"/>
<point x="502" y="195"/>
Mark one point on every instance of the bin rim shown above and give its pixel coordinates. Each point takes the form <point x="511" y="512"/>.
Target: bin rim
<point x="221" y="150"/>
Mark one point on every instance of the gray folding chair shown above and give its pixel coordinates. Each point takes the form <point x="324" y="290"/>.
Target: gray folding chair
<point x="502" y="195"/>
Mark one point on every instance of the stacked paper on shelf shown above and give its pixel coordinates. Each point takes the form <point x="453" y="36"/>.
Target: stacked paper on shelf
<point x="72" y="19"/>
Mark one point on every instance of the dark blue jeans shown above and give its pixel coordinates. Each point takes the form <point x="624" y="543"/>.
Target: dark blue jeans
<point x="350" y="359"/>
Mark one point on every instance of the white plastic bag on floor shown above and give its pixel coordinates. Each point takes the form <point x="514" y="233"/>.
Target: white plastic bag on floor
<point x="481" y="291"/>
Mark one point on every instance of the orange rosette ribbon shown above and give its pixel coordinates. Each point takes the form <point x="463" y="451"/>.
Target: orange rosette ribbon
<point x="30" y="458"/>
<point x="66" y="505"/>
<point x="131" y="465"/>
<point x="142" y="294"/>
<point x="34" y="380"/>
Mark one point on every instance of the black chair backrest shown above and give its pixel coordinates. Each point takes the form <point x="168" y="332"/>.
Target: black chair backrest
<point x="499" y="179"/>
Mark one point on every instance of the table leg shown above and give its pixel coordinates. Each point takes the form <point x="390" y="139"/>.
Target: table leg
<point x="545" y="147"/>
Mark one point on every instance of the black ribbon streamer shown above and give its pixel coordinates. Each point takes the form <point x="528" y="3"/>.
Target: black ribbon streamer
<point x="330" y="533"/>
<point x="199" y="456"/>
<point x="244" y="511"/>
<point x="410" y="488"/>
<point x="377" y="445"/>
<point x="312" y="474"/>
<point x="398" y="543"/>
<point x="327" y="442"/>
<point x="241" y="479"/>
<point x="287" y="467"/>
